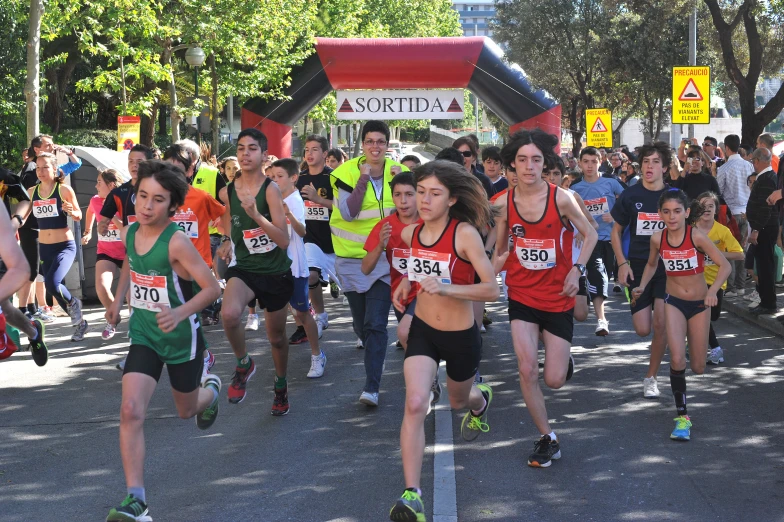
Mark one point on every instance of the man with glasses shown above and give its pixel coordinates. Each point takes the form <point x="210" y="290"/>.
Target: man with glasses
<point x="731" y="178"/>
<point x="363" y="197"/>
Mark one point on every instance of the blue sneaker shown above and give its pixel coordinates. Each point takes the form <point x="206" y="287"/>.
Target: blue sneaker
<point x="682" y="429"/>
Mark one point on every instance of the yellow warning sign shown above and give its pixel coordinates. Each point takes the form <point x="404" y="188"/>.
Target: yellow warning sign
<point x="128" y="132"/>
<point x="599" y="126"/>
<point x="691" y="94"/>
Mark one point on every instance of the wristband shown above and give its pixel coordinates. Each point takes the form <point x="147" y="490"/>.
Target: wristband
<point x="18" y="218"/>
<point x="624" y="263"/>
<point x="224" y="239"/>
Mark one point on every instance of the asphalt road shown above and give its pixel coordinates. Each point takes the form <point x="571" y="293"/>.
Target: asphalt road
<point x="333" y="459"/>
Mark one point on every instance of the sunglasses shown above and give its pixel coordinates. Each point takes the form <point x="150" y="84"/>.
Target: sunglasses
<point x="467" y="154"/>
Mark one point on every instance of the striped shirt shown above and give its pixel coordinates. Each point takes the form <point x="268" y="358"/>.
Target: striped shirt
<point x="732" y="183"/>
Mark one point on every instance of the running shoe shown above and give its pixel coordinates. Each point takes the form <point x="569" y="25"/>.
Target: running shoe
<point x="43" y="316"/>
<point x="209" y="320"/>
<point x="602" y="327"/>
<point x="334" y="291"/>
<point x="209" y="359"/>
<point x="369" y="399"/>
<point x="38" y="347"/>
<point x="56" y="311"/>
<point x="473" y="425"/>
<point x="408" y="508"/>
<point x="323" y="318"/>
<point x="482" y="328"/>
<point x="682" y="429"/>
<point x="81" y="329"/>
<point x="716" y="356"/>
<point x="319" y="328"/>
<point x="317" y="364"/>
<point x="207" y="418"/>
<point x="650" y="388"/>
<point x="753" y="296"/>
<point x="360" y="346"/>
<point x="486" y="321"/>
<point x="121" y="365"/>
<point x="570" y="370"/>
<point x="435" y="389"/>
<point x="617" y="289"/>
<point x="131" y="510"/>
<point x="252" y="322"/>
<point x="545" y="452"/>
<point x="75" y="311"/>
<point x="299" y="336"/>
<point x="280" y="404"/>
<point x="108" y="332"/>
<point x="398" y="345"/>
<point x="478" y="379"/>
<point x="239" y="381"/>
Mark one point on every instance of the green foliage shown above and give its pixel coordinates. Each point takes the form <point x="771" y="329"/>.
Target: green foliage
<point x="101" y="138"/>
<point x="12" y="77"/>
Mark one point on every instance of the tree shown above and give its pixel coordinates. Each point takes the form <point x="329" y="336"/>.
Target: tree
<point x="13" y="18"/>
<point x="32" y="85"/>
<point x="762" y="37"/>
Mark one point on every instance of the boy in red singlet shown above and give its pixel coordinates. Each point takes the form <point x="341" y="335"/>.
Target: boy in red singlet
<point x="542" y="278"/>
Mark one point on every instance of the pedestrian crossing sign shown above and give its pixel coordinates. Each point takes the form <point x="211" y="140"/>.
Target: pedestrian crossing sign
<point x="691" y="95"/>
<point x="599" y="127"/>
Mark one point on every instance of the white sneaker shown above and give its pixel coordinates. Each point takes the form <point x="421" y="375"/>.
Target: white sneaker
<point x="360" y="346"/>
<point x="108" y="332"/>
<point x="482" y="329"/>
<point x="317" y="364"/>
<point x="716" y="356"/>
<point x="253" y="322"/>
<point x="323" y="319"/>
<point x="369" y="399"/>
<point x="650" y="388"/>
<point x="754" y="296"/>
<point x="320" y="329"/>
<point x="121" y="365"/>
<point x="755" y="302"/>
<point x="602" y="327"/>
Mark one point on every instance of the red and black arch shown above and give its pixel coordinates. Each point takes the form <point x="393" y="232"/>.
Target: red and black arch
<point x="473" y="63"/>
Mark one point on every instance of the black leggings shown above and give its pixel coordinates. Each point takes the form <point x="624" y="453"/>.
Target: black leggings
<point x="715" y="313"/>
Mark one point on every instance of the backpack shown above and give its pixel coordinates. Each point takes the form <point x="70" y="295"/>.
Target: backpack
<point x="725" y="218"/>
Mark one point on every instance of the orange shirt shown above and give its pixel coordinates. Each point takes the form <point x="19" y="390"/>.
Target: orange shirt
<point x="774" y="163"/>
<point x="194" y="218"/>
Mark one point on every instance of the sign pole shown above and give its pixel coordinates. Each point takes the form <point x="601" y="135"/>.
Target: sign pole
<point x="692" y="51"/>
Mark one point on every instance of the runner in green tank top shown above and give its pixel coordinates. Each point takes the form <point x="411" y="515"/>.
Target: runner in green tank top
<point x="261" y="270"/>
<point x="161" y="269"/>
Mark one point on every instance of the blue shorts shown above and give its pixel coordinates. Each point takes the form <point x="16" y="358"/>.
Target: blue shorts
<point x="299" y="299"/>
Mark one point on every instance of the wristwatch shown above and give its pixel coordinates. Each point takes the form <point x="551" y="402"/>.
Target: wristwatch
<point x="581" y="268"/>
<point x="225" y="238"/>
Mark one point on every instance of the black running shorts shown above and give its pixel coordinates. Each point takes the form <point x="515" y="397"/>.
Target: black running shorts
<point x="461" y="350"/>
<point x="184" y="377"/>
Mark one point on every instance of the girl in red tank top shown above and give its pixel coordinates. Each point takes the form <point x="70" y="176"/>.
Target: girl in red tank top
<point x="446" y="251"/>
<point x="542" y="257"/>
<point x="688" y="300"/>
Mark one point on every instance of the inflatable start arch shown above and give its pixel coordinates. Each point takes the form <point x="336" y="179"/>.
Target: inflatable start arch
<point x="473" y="63"/>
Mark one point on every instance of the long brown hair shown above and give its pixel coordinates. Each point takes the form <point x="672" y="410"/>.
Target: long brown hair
<point x="111" y="177"/>
<point x="472" y="205"/>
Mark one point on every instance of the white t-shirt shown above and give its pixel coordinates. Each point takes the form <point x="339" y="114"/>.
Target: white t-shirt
<point x="296" y="249"/>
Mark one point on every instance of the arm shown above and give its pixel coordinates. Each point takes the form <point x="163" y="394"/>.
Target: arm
<point x="502" y="237"/>
<point x="298" y="227"/>
<point x="224" y="250"/>
<point x="469" y="246"/>
<point x="569" y="209"/>
<point x="375" y="246"/>
<point x="108" y="211"/>
<point x="88" y="226"/>
<point x="17" y="268"/>
<point x="70" y="205"/>
<point x="650" y="266"/>
<point x="22" y="210"/>
<point x="123" y="284"/>
<point x="404" y="288"/>
<point x="585" y="212"/>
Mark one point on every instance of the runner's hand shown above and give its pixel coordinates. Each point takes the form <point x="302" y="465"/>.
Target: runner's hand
<point x="117" y="222"/>
<point x="625" y="275"/>
<point x="499" y="262"/>
<point x="578" y="240"/>
<point x="224" y="251"/>
<point x="607" y="217"/>
<point x="636" y="293"/>
<point x="67" y="208"/>
<point x="711" y="299"/>
<point x="571" y="283"/>
<point x="86" y="238"/>
<point x="168" y="319"/>
<point x="432" y="286"/>
<point x="249" y="206"/>
<point x="401" y="295"/>
<point x="309" y="192"/>
<point x="112" y="315"/>
<point x="385" y="234"/>
<point x="395" y="170"/>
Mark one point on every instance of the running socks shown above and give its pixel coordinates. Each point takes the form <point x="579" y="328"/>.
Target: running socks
<point x="138" y="493"/>
<point x="415" y="490"/>
<point x="31" y="308"/>
<point x="553" y="437"/>
<point x="280" y="382"/>
<point x="244" y="362"/>
<point x="482" y="410"/>
<point x="678" y="385"/>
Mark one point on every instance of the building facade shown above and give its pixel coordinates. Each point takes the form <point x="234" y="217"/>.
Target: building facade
<point x="475" y="16"/>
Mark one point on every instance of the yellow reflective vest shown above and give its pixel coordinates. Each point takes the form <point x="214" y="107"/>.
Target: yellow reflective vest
<point x="206" y="180"/>
<point x="348" y="237"/>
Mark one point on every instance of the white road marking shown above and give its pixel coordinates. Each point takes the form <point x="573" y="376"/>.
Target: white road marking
<point x="444" y="488"/>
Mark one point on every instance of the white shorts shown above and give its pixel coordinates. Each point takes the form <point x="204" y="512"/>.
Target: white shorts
<point x="325" y="262"/>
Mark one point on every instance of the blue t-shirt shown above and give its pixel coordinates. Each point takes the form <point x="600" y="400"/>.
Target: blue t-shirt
<point x="599" y="197"/>
<point x="638" y="209"/>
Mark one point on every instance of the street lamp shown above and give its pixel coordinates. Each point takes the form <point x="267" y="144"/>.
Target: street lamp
<point x="195" y="57"/>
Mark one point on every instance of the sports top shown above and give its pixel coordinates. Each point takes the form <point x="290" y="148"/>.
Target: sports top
<point x="121" y="200"/>
<point x="48" y="210"/>
<point x="543" y="254"/>
<point x="397" y="252"/>
<point x="317" y="229"/>
<point x="638" y="209"/>
<point x="599" y="197"/>
<point x="155" y="284"/>
<point x="684" y="259"/>
<point x="254" y="251"/>
<point x="109" y="244"/>
<point x="439" y="260"/>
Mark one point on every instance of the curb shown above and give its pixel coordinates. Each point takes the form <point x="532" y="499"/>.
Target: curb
<point x="739" y="307"/>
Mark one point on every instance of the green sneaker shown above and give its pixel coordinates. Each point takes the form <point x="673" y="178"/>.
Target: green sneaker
<point x="473" y="425"/>
<point x="408" y="508"/>
<point x="38" y="347"/>
<point x="207" y="418"/>
<point x="682" y="429"/>
<point x="131" y="510"/>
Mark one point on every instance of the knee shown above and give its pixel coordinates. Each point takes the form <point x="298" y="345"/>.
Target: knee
<point x="554" y="381"/>
<point x="642" y="330"/>
<point x="417" y="404"/>
<point x="677" y="360"/>
<point x="580" y="314"/>
<point x="277" y="339"/>
<point x="131" y="412"/>
<point x="402" y="336"/>
<point x="231" y="315"/>
<point x="529" y="371"/>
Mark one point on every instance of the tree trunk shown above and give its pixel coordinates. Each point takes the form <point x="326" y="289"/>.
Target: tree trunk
<point x="147" y="127"/>
<point x="58" y="79"/>
<point x="215" y="116"/>
<point x="574" y="125"/>
<point x="305" y="126"/>
<point x="32" y="84"/>
<point x="357" y="147"/>
<point x="174" y="116"/>
<point x="162" y="120"/>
